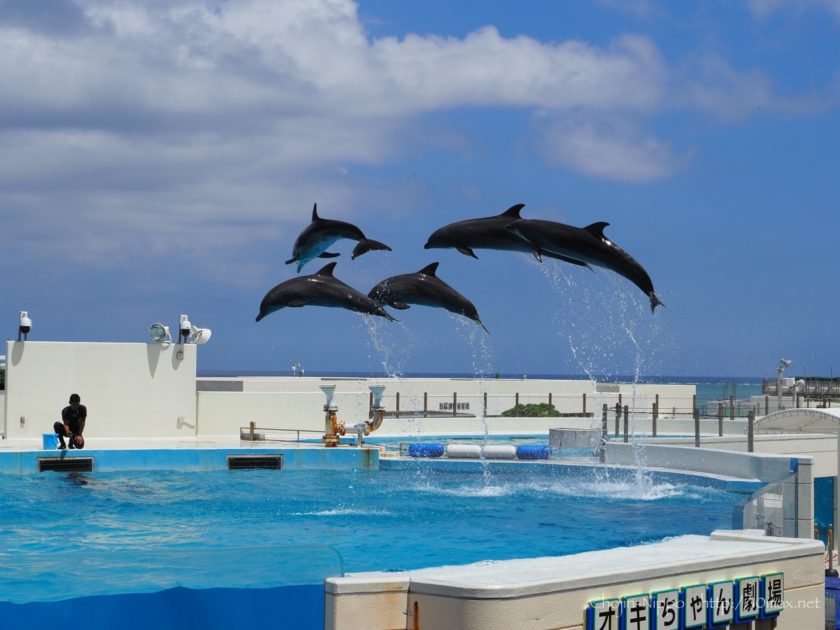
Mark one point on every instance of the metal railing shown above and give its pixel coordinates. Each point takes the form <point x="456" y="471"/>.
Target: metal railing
<point x="253" y="433"/>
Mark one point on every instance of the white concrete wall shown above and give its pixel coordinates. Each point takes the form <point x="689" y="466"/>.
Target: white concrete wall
<point x="129" y="389"/>
<point x="297" y="403"/>
<point x="2" y="410"/>
<point x="553" y="592"/>
<point x="821" y="447"/>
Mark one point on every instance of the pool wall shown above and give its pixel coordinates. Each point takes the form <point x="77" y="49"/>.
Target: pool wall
<point x="794" y="476"/>
<point x="26" y="462"/>
<point x="554" y="592"/>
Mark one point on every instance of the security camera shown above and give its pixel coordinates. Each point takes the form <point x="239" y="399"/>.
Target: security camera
<point x="184" y="328"/>
<point x="159" y="333"/>
<point x="25" y="325"/>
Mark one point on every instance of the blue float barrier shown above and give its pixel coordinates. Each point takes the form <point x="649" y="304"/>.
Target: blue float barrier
<point x="533" y="451"/>
<point x="426" y="449"/>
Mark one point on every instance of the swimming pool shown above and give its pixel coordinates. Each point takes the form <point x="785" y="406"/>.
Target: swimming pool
<point x="264" y="540"/>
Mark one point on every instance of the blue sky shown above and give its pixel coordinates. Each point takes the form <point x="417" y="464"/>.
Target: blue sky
<point x="159" y="158"/>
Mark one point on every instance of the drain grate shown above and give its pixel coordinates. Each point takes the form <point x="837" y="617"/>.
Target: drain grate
<point x="65" y="464"/>
<point x="245" y="462"/>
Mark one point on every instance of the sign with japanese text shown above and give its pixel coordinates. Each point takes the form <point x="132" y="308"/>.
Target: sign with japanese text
<point x="713" y="606"/>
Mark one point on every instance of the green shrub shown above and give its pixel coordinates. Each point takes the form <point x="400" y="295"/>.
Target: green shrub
<point x="540" y="410"/>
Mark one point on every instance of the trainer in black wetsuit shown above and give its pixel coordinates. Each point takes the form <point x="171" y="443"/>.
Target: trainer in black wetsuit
<point x="72" y="423"/>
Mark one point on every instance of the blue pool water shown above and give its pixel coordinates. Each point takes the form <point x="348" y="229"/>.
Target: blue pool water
<point x="216" y="535"/>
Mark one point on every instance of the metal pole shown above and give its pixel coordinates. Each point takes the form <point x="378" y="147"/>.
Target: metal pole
<point x="617" y="418"/>
<point x="485" y="404"/>
<point x="766" y="405"/>
<point x="602" y="448"/>
<point x="654" y="416"/>
<point x="750" y="431"/>
<point x="732" y="407"/>
<point x="397" y="410"/>
<point x="720" y="419"/>
<point x="626" y="423"/>
<point x="584" y="404"/>
<point x="549" y="399"/>
<point x="426" y="404"/>
<point x="252" y="428"/>
<point x="454" y="403"/>
<point x="697" y="428"/>
<point x="516" y="400"/>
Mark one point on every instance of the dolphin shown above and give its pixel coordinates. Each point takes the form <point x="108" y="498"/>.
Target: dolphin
<point x="489" y="233"/>
<point x="320" y="234"/>
<point x="423" y="287"/>
<point x="319" y="289"/>
<point x="588" y="245"/>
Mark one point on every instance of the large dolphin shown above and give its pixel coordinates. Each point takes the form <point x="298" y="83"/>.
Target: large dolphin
<point x="588" y="245"/>
<point x="488" y="233"/>
<point x="320" y="234"/>
<point x="319" y="289"/>
<point x="423" y="287"/>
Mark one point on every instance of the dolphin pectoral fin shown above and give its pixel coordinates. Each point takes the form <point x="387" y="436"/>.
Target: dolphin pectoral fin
<point x="538" y="255"/>
<point x="571" y="261"/>
<point x="466" y="251"/>
<point x="366" y="245"/>
<point x="399" y="305"/>
<point x="328" y="255"/>
<point x="293" y="259"/>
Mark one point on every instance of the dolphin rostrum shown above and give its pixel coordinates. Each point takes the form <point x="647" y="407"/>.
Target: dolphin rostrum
<point x="320" y="234"/>
<point x="319" y="289"/>
<point x="423" y="287"/>
<point x="588" y="245"/>
<point x="489" y="233"/>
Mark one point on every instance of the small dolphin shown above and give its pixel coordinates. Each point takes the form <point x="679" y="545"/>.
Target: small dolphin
<point x="423" y="287"/>
<point x="319" y="289"/>
<point x="489" y="233"/>
<point x="320" y="234"/>
<point x="588" y="245"/>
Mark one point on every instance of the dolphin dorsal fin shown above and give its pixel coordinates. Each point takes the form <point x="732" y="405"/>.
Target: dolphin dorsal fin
<point x="513" y="211"/>
<point x="597" y="229"/>
<point x="430" y="269"/>
<point x="326" y="270"/>
<point x="315" y="216"/>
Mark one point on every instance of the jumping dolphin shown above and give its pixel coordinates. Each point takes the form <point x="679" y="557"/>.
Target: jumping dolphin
<point x="322" y="233"/>
<point x="423" y="287"/>
<point x="489" y="233"/>
<point x="319" y="289"/>
<point x="588" y="245"/>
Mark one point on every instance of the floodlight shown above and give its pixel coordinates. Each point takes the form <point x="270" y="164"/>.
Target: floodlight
<point x="25" y="325"/>
<point x="159" y="333"/>
<point x="184" y="328"/>
<point x="199" y="336"/>
<point x="784" y="363"/>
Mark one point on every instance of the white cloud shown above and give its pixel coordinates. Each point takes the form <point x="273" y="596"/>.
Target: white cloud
<point x="612" y="149"/>
<point x="226" y="120"/>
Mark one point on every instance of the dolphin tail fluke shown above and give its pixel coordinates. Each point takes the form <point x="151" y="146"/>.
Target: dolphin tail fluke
<point x="366" y="245"/>
<point x="654" y="301"/>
